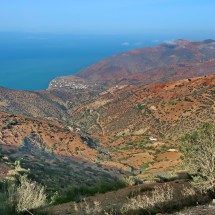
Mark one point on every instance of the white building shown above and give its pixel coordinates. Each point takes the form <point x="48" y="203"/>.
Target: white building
<point x="152" y="139"/>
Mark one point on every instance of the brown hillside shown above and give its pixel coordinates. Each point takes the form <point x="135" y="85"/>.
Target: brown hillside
<point x="55" y="155"/>
<point x="30" y="103"/>
<point x="162" y="110"/>
<point x="164" y="63"/>
<point x="50" y="104"/>
<point x="121" y="121"/>
<point x="52" y="137"/>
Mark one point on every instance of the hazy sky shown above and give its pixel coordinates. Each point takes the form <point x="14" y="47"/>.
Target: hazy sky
<point x="107" y="16"/>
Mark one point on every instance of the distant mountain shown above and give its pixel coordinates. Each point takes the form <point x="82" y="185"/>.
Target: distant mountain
<point x="170" y="61"/>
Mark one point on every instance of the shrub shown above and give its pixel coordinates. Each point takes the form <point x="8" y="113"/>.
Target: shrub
<point x="172" y="102"/>
<point x="140" y="106"/>
<point x="24" y="197"/>
<point x="143" y="167"/>
<point x="29" y="195"/>
<point x="129" y="180"/>
<point x="188" y="99"/>
<point x="165" y="176"/>
<point x="87" y="208"/>
<point x="129" y="169"/>
<point x="198" y="148"/>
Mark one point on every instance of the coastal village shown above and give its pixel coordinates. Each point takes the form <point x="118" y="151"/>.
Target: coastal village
<point x="71" y="84"/>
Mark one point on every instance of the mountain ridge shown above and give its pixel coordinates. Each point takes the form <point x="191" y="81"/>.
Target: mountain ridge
<point x="140" y="62"/>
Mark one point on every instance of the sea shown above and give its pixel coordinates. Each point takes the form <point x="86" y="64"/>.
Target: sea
<point x="29" y="61"/>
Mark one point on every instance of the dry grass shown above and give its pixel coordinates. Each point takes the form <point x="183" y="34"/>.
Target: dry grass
<point x="158" y="200"/>
<point x="87" y="208"/>
<point x="160" y="196"/>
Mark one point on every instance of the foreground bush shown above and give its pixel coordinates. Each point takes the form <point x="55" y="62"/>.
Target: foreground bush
<point x="21" y="196"/>
<point x="198" y="148"/>
<point x="29" y="195"/>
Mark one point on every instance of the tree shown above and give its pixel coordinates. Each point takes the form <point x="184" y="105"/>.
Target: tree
<point x="198" y="149"/>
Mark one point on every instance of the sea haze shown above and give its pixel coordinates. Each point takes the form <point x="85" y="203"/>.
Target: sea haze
<point x="29" y="61"/>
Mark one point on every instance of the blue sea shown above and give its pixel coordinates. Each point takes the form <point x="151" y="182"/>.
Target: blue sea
<point x="29" y="61"/>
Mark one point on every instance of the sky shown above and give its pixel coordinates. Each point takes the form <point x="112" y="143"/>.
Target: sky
<point x="107" y="16"/>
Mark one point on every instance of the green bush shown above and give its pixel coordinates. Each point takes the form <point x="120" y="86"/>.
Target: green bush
<point x="6" y="206"/>
<point x="188" y="99"/>
<point x="140" y="106"/>
<point x="144" y="166"/>
<point x="172" y="102"/>
<point x="198" y="149"/>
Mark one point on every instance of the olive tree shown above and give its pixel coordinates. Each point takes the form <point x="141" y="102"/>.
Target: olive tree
<point x="198" y="149"/>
